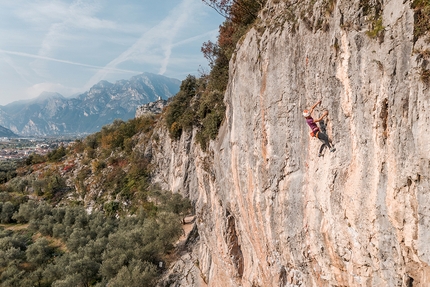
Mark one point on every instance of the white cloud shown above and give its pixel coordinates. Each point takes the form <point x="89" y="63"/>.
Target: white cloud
<point x="160" y="36"/>
<point x="38" y="57"/>
<point x="109" y="39"/>
<point x="79" y="15"/>
<point x="23" y="73"/>
<point x="56" y="25"/>
<point x="210" y="34"/>
<point x="186" y="12"/>
<point x="37" y="89"/>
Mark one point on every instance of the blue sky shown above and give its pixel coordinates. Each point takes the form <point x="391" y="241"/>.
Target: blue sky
<point x="68" y="46"/>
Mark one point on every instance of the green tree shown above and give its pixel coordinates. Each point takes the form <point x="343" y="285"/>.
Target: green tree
<point x="11" y="255"/>
<point x="78" y="238"/>
<point x="239" y="10"/>
<point x="57" y="154"/>
<point x="136" y="274"/>
<point x="179" y="205"/>
<point x="36" y="278"/>
<point x="6" y="212"/>
<point x="55" y="271"/>
<point x="86" y="268"/>
<point x="180" y="114"/>
<point x="39" y="252"/>
<point x="12" y="276"/>
<point x="69" y="281"/>
<point x="25" y="212"/>
<point x="34" y="159"/>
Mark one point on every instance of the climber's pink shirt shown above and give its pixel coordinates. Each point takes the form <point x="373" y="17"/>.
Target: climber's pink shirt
<point x="312" y="124"/>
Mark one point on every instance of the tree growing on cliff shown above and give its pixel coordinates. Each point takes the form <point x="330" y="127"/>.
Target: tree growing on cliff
<point x="180" y="114"/>
<point x="236" y="10"/>
<point x="200" y="102"/>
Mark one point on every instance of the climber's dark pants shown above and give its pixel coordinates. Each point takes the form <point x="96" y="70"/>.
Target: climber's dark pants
<point x="322" y="136"/>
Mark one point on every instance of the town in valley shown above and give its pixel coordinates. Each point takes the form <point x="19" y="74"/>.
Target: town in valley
<point x="21" y="148"/>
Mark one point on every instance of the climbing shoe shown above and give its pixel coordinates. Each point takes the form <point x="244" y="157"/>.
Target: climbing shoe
<point x="332" y="149"/>
<point x="320" y="154"/>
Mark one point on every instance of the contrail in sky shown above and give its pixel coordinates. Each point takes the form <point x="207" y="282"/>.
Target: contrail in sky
<point x="66" y="62"/>
<point x="158" y="38"/>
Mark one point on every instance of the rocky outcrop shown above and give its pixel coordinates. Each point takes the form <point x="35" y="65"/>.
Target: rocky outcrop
<point x="270" y="212"/>
<point x="151" y="108"/>
<point x="7" y="133"/>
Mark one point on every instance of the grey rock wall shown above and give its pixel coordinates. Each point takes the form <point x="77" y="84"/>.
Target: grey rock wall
<point x="150" y="108"/>
<point x="270" y="212"/>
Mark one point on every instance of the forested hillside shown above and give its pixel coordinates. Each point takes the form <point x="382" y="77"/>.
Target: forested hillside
<point x="87" y="214"/>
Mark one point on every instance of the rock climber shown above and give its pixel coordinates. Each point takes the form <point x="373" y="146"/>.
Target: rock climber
<point x="318" y="132"/>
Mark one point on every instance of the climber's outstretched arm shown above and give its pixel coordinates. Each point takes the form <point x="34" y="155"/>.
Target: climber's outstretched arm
<point x="323" y="116"/>
<point x="313" y="107"/>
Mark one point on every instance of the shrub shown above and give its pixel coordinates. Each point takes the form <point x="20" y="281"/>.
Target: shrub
<point x="421" y="18"/>
<point x="136" y="274"/>
<point x="6" y="212"/>
<point x="372" y="9"/>
<point x="39" y="252"/>
<point x="97" y="165"/>
<point x="57" y="154"/>
<point x="7" y="170"/>
<point x="180" y="114"/>
<point x="377" y="28"/>
<point x="425" y="76"/>
<point x="78" y="146"/>
<point x="34" y="159"/>
<point x="118" y="135"/>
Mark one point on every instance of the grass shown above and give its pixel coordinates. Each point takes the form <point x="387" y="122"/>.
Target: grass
<point x="425" y="76"/>
<point x="372" y="12"/>
<point x="421" y="18"/>
<point x="423" y="56"/>
<point x="55" y="243"/>
<point x="424" y="53"/>
<point x="377" y="28"/>
<point x="14" y="226"/>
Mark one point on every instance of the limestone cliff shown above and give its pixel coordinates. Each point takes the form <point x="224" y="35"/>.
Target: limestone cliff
<point x="270" y="212"/>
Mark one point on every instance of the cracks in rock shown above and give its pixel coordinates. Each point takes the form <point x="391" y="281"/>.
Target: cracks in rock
<point x="183" y="271"/>
<point x="409" y="281"/>
<point x="232" y="241"/>
<point x="278" y="181"/>
<point x="383" y="115"/>
<point x="331" y="185"/>
<point x="180" y="275"/>
<point x="187" y="273"/>
<point x="202" y="275"/>
<point x="283" y="277"/>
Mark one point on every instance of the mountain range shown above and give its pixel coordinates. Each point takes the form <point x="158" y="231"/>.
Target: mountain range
<point x="53" y="114"/>
<point x="7" y="133"/>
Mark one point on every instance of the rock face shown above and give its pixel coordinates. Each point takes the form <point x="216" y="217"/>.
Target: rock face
<point x="151" y="108"/>
<point x="270" y="212"/>
<point x="4" y="132"/>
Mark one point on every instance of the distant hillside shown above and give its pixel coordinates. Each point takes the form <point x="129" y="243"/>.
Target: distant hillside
<point x="4" y="132"/>
<point x="53" y="114"/>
